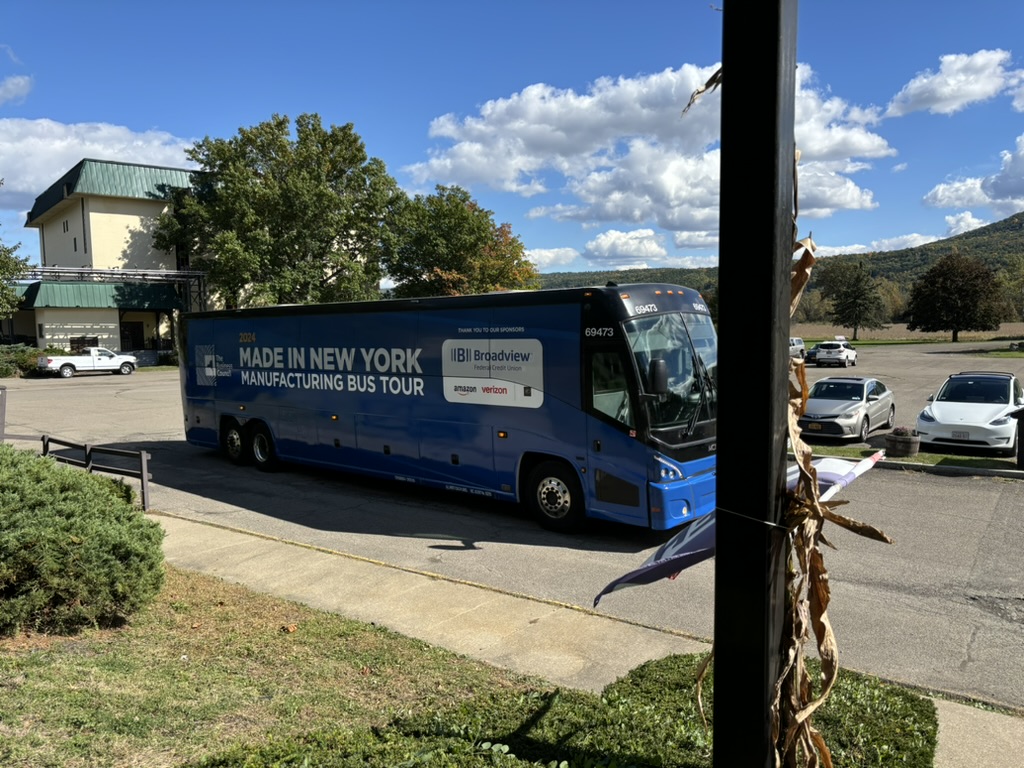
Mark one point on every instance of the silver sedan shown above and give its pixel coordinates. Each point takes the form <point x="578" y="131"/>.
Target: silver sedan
<point x="848" y="407"/>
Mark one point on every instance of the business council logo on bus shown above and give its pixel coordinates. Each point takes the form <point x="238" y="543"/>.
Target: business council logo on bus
<point x="507" y="372"/>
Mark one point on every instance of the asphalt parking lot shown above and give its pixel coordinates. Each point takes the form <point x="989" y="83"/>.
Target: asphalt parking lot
<point x="913" y="372"/>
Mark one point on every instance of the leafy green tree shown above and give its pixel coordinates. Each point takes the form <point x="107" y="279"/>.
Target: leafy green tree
<point x="447" y="245"/>
<point x="813" y="307"/>
<point x="1011" y="278"/>
<point x="274" y="218"/>
<point x="12" y="267"/>
<point x="856" y="302"/>
<point x="894" y="297"/>
<point x="959" y="293"/>
<point x="710" y="296"/>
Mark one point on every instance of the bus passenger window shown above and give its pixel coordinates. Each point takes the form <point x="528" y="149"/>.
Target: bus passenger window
<point x="611" y="396"/>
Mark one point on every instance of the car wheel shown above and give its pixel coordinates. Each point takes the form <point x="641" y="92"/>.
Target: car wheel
<point x="126" y="369"/>
<point x="233" y="443"/>
<point x="854" y="361"/>
<point x="261" y="447"/>
<point x="554" y="495"/>
<point x="846" y="363"/>
<point x="67" y="371"/>
<point x="865" y="428"/>
<point x="892" y="417"/>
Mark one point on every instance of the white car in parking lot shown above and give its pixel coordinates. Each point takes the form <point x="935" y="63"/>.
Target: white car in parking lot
<point x="973" y="409"/>
<point x="838" y="352"/>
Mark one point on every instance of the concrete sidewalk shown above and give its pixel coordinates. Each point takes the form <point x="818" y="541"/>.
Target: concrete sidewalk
<point x="563" y="644"/>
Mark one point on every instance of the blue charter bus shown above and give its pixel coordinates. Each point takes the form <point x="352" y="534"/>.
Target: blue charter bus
<point x="579" y="402"/>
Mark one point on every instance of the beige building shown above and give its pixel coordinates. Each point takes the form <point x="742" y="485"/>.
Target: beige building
<point x="101" y="280"/>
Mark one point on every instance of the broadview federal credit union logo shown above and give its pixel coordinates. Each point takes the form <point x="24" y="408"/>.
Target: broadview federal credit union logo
<point x="504" y="372"/>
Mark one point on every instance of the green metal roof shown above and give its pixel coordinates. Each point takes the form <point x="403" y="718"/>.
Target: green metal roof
<point x="110" y="179"/>
<point x="83" y="295"/>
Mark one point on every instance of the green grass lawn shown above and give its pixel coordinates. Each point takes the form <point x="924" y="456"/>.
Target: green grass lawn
<point x="861" y="451"/>
<point x="215" y="675"/>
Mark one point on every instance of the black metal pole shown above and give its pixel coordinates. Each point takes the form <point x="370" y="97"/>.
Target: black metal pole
<point x="755" y="254"/>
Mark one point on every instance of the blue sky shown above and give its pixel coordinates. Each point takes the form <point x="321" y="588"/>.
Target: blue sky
<point x="563" y="118"/>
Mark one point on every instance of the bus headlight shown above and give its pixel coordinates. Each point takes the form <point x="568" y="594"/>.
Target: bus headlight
<point x="667" y="472"/>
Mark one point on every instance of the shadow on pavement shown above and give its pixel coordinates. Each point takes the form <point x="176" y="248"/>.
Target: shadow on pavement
<point x="207" y="487"/>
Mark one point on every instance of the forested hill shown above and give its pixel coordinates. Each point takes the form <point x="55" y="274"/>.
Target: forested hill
<point x="698" y="279"/>
<point x="994" y="244"/>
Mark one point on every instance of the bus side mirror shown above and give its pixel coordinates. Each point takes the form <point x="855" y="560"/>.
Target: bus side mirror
<point x="657" y="376"/>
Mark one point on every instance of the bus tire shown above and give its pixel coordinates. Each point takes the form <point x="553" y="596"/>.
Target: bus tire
<point x="555" y="497"/>
<point x="234" y="443"/>
<point x="261" y="447"/>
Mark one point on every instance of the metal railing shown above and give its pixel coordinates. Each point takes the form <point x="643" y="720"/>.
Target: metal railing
<point x="87" y="460"/>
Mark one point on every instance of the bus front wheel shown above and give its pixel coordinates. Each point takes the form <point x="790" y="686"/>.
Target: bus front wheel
<point x="261" y="446"/>
<point x="555" y="496"/>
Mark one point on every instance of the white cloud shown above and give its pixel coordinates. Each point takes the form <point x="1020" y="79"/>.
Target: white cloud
<point x="829" y="130"/>
<point x="15" y="88"/>
<point x="695" y="239"/>
<point x="35" y="153"/>
<point x="10" y="53"/>
<point x="962" y="222"/>
<point x="825" y="251"/>
<point x="824" y="190"/>
<point x="962" y="80"/>
<point x="690" y="262"/>
<point x="625" y="250"/>
<point x="1017" y="101"/>
<point x="1008" y="184"/>
<point x="622" y="153"/>
<point x="541" y="128"/>
<point x="902" y="241"/>
<point x="885" y="244"/>
<point x="1003" y="191"/>
<point x="546" y="259"/>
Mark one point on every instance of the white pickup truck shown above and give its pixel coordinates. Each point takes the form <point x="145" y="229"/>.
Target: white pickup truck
<point x="90" y="359"/>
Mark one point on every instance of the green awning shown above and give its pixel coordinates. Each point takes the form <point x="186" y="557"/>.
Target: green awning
<point x="86" y="295"/>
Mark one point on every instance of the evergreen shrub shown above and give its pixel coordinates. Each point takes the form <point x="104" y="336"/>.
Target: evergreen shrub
<point x="75" y="551"/>
<point x="18" y="360"/>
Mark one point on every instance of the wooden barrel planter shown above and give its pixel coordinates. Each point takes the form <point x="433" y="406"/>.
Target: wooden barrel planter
<point x="897" y="445"/>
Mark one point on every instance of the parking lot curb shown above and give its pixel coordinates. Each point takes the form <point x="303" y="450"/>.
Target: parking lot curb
<point x="945" y="469"/>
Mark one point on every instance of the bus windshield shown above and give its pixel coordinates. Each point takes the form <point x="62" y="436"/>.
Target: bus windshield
<point x="687" y="343"/>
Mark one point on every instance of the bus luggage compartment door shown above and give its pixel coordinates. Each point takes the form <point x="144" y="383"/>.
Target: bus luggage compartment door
<point x="617" y="476"/>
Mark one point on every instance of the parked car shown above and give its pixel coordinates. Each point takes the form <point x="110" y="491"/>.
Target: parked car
<point x="974" y="409"/>
<point x="811" y="356"/>
<point x="796" y="347"/>
<point x="848" y="407"/>
<point x="838" y="352"/>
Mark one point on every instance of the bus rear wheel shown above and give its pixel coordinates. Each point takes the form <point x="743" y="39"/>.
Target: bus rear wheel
<point x="261" y="447"/>
<point x="233" y="443"/>
<point x="555" y="497"/>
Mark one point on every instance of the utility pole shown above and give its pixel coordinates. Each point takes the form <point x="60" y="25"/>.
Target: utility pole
<point x="755" y="256"/>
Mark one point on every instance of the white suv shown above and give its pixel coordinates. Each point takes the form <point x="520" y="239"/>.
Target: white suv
<point x="838" y="352"/>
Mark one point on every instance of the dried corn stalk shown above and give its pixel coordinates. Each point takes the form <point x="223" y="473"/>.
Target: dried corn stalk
<point x="796" y="740"/>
